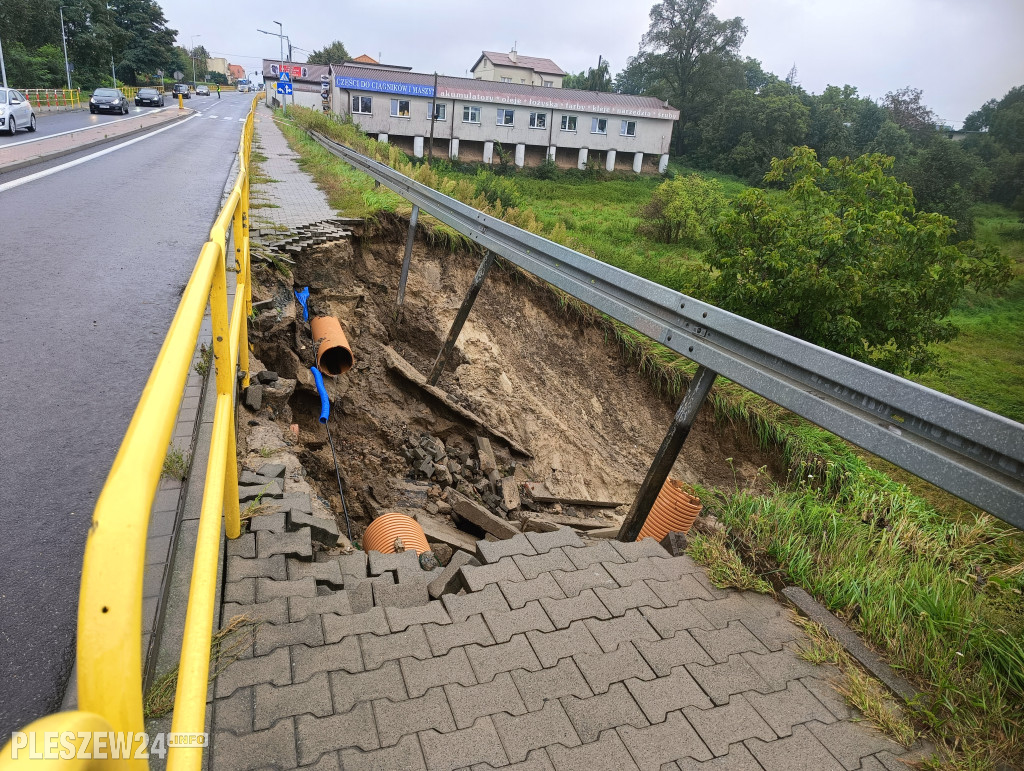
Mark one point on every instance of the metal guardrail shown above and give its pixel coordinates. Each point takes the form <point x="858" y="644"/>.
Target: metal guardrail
<point x="968" y="451"/>
<point x="110" y="603"/>
<point x="66" y="98"/>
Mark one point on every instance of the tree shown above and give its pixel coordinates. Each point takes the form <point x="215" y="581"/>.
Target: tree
<point x="218" y="77"/>
<point x="843" y="260"/>
<point x="143" y="39"/>
<point x="682" y="210"/>
<point x="907" y="111"/>
<point x="945" y="179"/>
<point x="594" y="79"/>
<point x="335" y="53"/>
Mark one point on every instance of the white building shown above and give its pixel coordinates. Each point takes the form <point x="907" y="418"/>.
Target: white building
<point x="513" y="68"/>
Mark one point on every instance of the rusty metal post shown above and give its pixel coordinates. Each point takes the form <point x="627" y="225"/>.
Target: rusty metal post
<point x="460" y="318"/>
<point x="663" y="461"/>
<point x="405" y="261"/>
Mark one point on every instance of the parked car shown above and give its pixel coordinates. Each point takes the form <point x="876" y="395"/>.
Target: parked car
<point x="202" y="90"/>
<point x="149" y="96"/>
<point x="182" y="89"/>
<point x="15" y="111"/>
<point x="109" y="100"/>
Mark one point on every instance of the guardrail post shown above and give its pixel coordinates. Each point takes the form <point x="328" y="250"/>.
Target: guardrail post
<point x="409" y="239"/>
<point x="460" y="318"/>
<point x="666" y="456"/>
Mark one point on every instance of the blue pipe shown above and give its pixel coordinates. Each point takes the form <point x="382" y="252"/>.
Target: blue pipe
<point x="325" y="401"/>
<point x="302" y="297"/>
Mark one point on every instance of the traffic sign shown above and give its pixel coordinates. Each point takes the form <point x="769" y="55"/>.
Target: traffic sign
<point x="286" y="78"/>
<point x="178" y="74"/>
<point x="325" y="79"/>
<point x="284" y="88"/>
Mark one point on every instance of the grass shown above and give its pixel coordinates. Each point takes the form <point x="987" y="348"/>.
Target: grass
<point x="725" y="568"/>
<point x="202" y="367"/>
<point x="176" y="464"/>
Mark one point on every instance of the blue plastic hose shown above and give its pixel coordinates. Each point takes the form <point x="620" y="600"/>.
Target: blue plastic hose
<point x="302" y="297"/>
<point x="325" y="401"/>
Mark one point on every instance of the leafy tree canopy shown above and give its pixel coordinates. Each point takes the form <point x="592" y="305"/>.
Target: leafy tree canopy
<point x="594" y="79"/>
<point x="335" y="53"/>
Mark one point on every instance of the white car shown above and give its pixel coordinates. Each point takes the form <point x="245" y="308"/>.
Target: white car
<point x="15" y="111"/>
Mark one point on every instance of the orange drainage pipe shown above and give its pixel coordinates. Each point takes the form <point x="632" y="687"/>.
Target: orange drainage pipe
<point x="333" y="353"/>
<point x="387" y="528"/>
<point x="674" y="511"/>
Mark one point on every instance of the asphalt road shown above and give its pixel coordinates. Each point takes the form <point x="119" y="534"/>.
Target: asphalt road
<point x="48" y="124"/>
<point x="93" y="262"/>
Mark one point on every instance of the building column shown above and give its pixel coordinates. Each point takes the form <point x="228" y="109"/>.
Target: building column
<point x="552" y="151"/>
<point x="488" y="152"/>
<point x="638" y="162"/>
<point x="582" y="162"/>
<point x="453" y="148"/>
<point x="663" y="164"/>
<point x="382" y="138"/>
<point x="520" y="155"/>
<point x="609" y="161"/>
<point x="417" y="146"/>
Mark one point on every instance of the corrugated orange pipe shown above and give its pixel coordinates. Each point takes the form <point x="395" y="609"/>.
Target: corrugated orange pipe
<point x="673" y="511"/>
<point x="383" y="531"/>
<point x="333" y="353"/>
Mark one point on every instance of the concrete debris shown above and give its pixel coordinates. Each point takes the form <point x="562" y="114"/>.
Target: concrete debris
<point x="272" y="470"/>
<point x="450" y="579"/>
<point x="266" y="376"/>
<point x="254" y="397"/>
<point x="675" y="543"/>
<point x="324" y="531"/>
<point x="472" y="512"/>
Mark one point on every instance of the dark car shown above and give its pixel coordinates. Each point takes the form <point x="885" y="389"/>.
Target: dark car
<point x="109" y="100"/>
<point x="149" y="96"/>
<point x="202" y="90"/>
<point x="182" y="90"/>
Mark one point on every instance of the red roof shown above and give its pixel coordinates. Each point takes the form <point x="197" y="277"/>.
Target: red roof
<point x="535" y="63"/>
<point x="365" y="59"/>
<point x="237" y="71"/>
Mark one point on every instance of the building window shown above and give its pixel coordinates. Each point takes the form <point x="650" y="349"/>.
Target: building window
<point x="599" y="126"/>
<point x="538" y="120"/>
<point x="440" y="112"/>
<point x="362" y="105"/>
<point x="568" y="123"/>
<point x="470" y="114"/>
<point x="400" y="108"/>
<point x="506" y="117"/>
<point x="506" y="80"/>
<point x="522" y="80"/>
<point x="628" y="128"/>
<point x="549" y="83"/>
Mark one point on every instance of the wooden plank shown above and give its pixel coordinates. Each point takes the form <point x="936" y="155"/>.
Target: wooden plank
<point x="473" y="512"/>
<point x="440" y="532"/>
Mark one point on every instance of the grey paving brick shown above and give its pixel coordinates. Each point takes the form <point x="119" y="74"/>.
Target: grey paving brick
<point x="628" y="573"/>
<point x="360" y="593"/>
<point x="471" y="702"/>
<point x="777" y="669"/>
<point x="396" y="719"/>
<point x="531" y="567"/>
<point x="719" y="613"/>
<point x="335" y="602"/>
<point x="737" y="759"/>
<point x="535" y="730"/>
<point x="275" y="702"/>
<point x="551" y="647"/>
<point x="537" y="760"/>
<point x="504" y="624"/>
<point x="372" y="621"/>
<point x="268" y="588"/>
<point x="593" y="554"/>
<point x="522" y="592"/>
<point x="405" y="594"/>
<point x="585" y="605"/>
<point x="606" y="754"/>
<point x="262" y="749"/>
<point x="449" y="580"/>
<point x="687" y="587"/>
<point x="637" y="595"/>
<point x="443" y="638"/>
<point x="826" y="693"/>
<point x="599" y="713"/>
<point x="784" y="709"/>
<point x="648" y="547"/>
<point x="238" y="568"/>
<point x="353" y="564"/>
<point x="476" y="577"/>
<point x="631" y="626"/>
<point x="275" y="611"/>
<point x="720" y="726"/>
<point x="315" y="736"/>
<point x="464" y="747"/>
<point x="723" y="680"/>
<point x="545" y="542"/>
<point x="462" y="606"/>
<point x="261" y="669"/>
<point x="328" y="762"/>
<point x="667" y="694"/>
<point x="453" y="667"/>
<point x="723" y="643"/>
<point x="307" y="661"/>
<point x="377" y="650"/>
<point x="800" y="752"/>
<point x="305" y="632"/>
<point x="399" y="563"/>
<point x="405" y="755"/>
<point x="234" y="714"/>
<point x="666" y="742"/>
<point x="603" y="669"/>
<point x="677" y="618"/>
<point x="676" y="651"/>
<point x="350" y="688"/>
<point x="849" y="742"/>
<point x="241" y="592"/>
<point x="580" y="580"/>
<point x="297" y="544"/>
<point x="684" y="565"/>
<point x="775" y="631"/>
<point x="505" y="657"/>
<point x="492" y="551"/>
<point x="432" y="613"/>
<point x="563" y="679"/>
<point x="272" y="522"/>
<point x="243" y="546"/>
<point x="328" y="573"/>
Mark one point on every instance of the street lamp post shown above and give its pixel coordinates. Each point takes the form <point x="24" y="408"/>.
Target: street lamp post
<point x="64" y="40"/>
<point x="280" y="36"/>
<point x="3" y="67"/>
<point x="192" y="55"/>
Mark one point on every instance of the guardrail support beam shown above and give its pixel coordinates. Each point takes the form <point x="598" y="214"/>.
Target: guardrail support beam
<point x="460" y="318"/>
<point x="666" y="456"/>
<point x="409" y="239"/>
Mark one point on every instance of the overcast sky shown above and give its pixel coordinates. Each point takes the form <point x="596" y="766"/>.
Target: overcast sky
<point x="960" y="52"/>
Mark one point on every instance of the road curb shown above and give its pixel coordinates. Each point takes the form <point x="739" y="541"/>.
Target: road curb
<point x="93" y="143"/>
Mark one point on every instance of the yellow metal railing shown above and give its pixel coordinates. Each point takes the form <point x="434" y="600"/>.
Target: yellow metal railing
<point x="67" y="98"/>
<point x="110" y="602"/>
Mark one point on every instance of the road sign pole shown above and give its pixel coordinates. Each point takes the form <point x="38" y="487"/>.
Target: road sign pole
<point x="3" y="68"/>
<point x="64" y="40"/>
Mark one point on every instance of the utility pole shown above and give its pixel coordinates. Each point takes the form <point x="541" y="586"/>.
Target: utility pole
<point x="433" y="120"/>
<point x="64" y="40"/>
<point x="280" y="65"/>
<point x="192" y="55"/>
<point x="3" y="67"/>
<point x="112" y="73"/>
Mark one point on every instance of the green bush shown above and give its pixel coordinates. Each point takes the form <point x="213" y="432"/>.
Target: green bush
<point x="497" y="188"/>
<point x="682" y="210"/>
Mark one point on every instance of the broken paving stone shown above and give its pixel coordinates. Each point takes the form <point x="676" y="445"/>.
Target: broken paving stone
<point x="486" y="453"/>
<point x="254" y="397"/>
<point x="675" y="543"/>
<point x="426" y="467"/>
<point x="443" y="507"/>
<point x="510" y="493"/>
<point x="450" y="579"/>
<point x="272" y="470"/>
<point x="442" y="475"/>
<point x="252" y="492"/>
<point x="324" y="531"/>
<point x="491" y="500"/>
<point x="473" y="512"/>
<point x="250" y="478"/>
<point x="267" y="376"/>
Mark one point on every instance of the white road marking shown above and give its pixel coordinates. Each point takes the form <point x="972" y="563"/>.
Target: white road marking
<point x="227" y="118"/>
<point x="79" y="161"/>
<point x="81" y="128"/>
